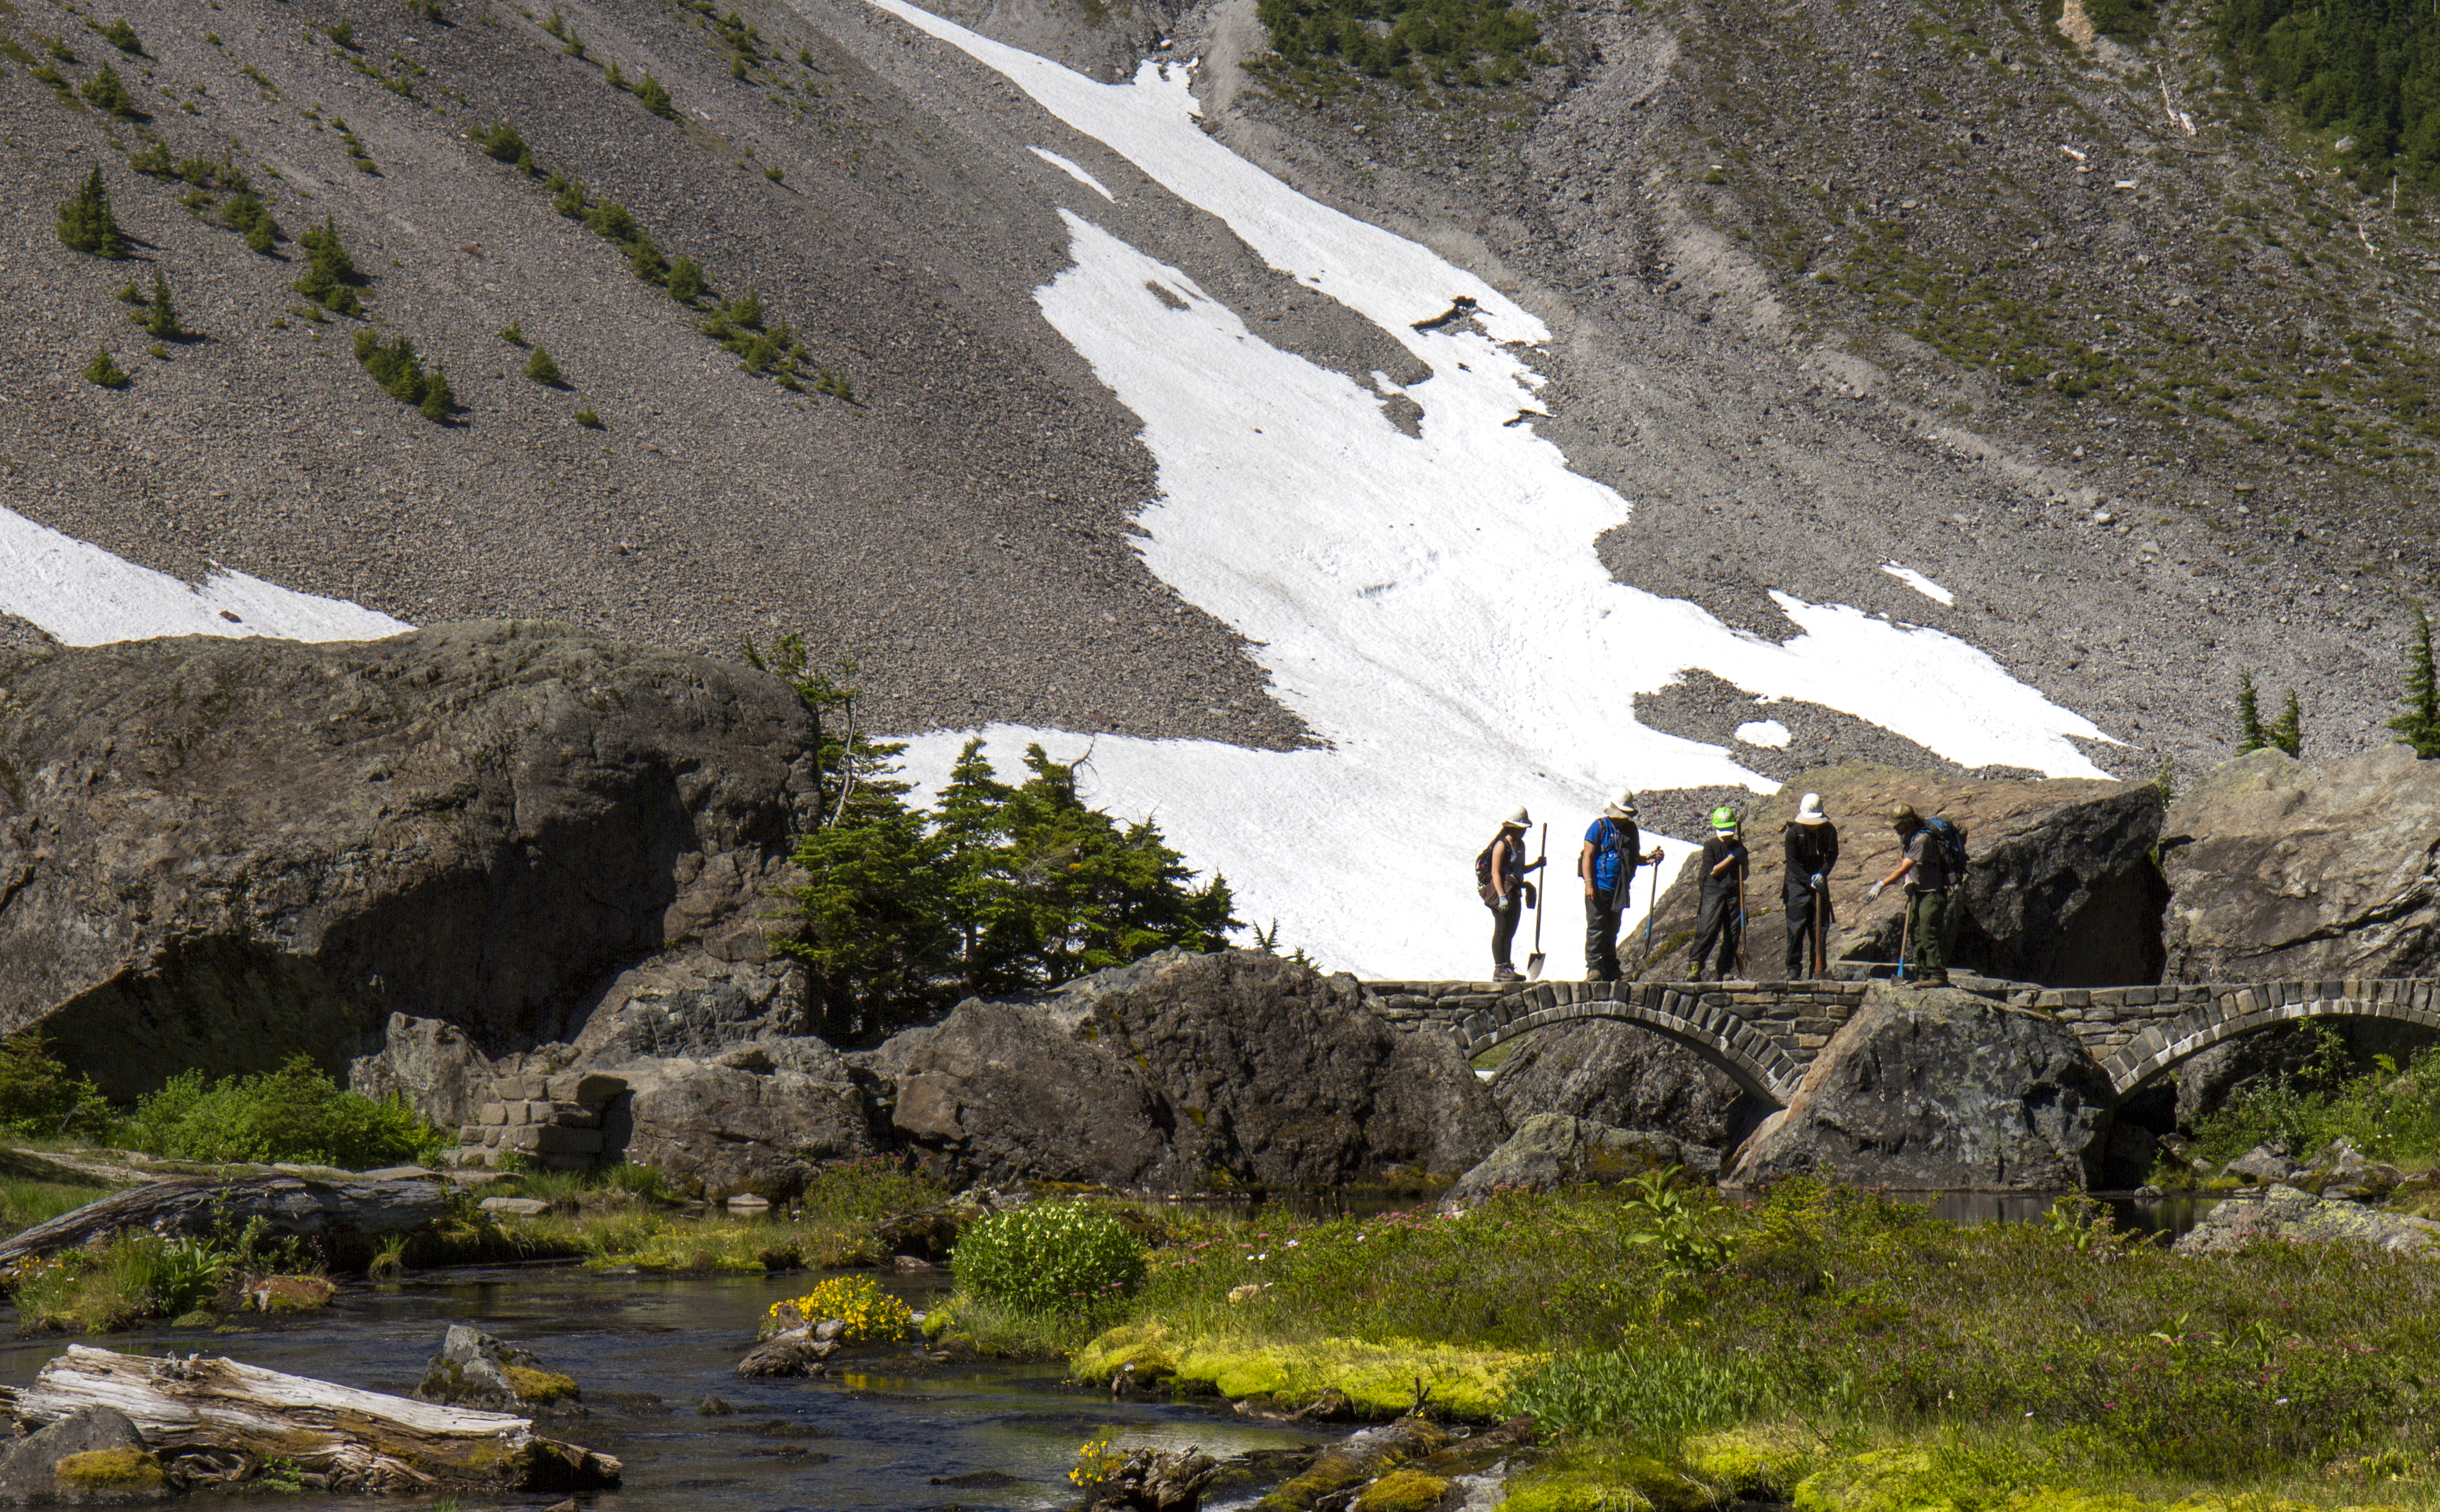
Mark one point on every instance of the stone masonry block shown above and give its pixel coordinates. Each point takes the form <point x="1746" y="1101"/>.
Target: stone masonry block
<point x="536" y="1111"/>
<point x="550" y="1139"/>
<point x="574" y="1115"/>
<point x="491" y="1113"/>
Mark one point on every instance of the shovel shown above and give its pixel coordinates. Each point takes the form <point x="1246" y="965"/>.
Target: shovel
<point x="1906" y="933"/>
<point x="1533" y="961"/>
<point x="1821" y="923"/>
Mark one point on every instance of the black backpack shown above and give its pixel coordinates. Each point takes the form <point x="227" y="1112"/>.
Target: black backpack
<point x="1951" y="839"/>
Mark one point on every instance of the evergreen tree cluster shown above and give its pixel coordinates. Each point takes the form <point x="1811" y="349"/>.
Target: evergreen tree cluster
<point x="396" y="368"/>
<point x="87" y="223"/>
<point x="330" y="272"/>
<point x="2368" y="67"/>
<point x="996" y="888"/>
<point x="107" y="93"/>
<point x="1457" y="42"/>
<point x="2287" y="733"/>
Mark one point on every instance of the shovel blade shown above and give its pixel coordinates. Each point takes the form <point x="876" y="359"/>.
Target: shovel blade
<point x="1534" y="966"/>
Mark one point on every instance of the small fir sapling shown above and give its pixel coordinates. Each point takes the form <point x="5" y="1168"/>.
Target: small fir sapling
<point x="569" y="199"/>
<point x="556" y="24"/>
<point x="103" y="373"/>
<point x="2288" y="730"/>
<point x="613" y="78"/>
<point x="129" y="294"/>
<point x="772" y="172"/>
<point x="161" y="316"/>
<point x="513" y="334"/>
<point x="329" y="270"/>
<point x="2419" y="728"/>
<point x="57" y="47"/>
<point x="341" y="32"/>
<point x="747" y="309"/>
<point x="123" y="36"/>
<point x="590" y="420"/>
<point x="439" y="403"/>
<point x="2250" y="732"/>
<point x="501" y="143"/>
<point x="87" y="223"/>
<point x="154" y="160"/>
<point x="645" y="261"/>
<point x="540" y="367"/>
<point x="656" y="99"/>
<point x="686" y="280"/>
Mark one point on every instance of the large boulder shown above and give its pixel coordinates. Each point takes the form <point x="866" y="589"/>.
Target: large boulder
<point x="2279" y="869"/>
<point x="2062" y="889"/>
<point x="428" y="1064"/>
<point x="1931" y="1088"/>
<point x="92" y="1457"/>
<point x="1552" y="1151"/>
<point x="2287" y="1213"/>
<point x="218" y="853"/>
<point x="340" y="1215"/>
<point x="1191" y="1073"/>
<point x="755" y="1119"/>
<point x="1627" y="1077"/>
<point x="473" y="1369"/>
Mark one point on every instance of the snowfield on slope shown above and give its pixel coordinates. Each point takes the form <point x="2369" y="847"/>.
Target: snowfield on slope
<point x="1430" y="605"/>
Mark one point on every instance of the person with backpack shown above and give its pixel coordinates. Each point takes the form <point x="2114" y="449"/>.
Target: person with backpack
<point x="1607" y="866"/>
<point x="1811" y="845"/>
<point x="1500" y="878"/>
<point x="1932" y="865"/>
<point x="1719" y="921"/>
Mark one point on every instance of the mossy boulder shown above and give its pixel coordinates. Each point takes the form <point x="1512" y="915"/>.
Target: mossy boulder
<point x="292" y="1293"/>
<point x="473" y="1369"/>
<point x="1377" y="1378"/>
<point x="112" y="1472"/>
<point x="1403" y="1491"/>
<point x="1751" y="1463"/>
<point x="93" y="1456"/>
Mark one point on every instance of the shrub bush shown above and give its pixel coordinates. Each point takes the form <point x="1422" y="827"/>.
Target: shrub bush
<point x="123" y="36"/>
<point x="686" y="280"/>
<point x="294" y="1114"/>
<point x="857" y="1301"/>
<point x="341" y="32"/>
<point x="1050" y="1256"/>
<point x="590" y="420"/>
<point x="106" y="92"/>
<point x="87" y="223"/>
<point x="540" y="367"/>
<point x="103" y="373"/>
<point x="656" y="99"/>
<point x="330" y="272"/>
<point x="37" y="1093"/>
<point x="501" y="143"/>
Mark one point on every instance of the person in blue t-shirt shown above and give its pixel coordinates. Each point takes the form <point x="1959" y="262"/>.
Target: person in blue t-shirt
<point x="1607" y="865"/>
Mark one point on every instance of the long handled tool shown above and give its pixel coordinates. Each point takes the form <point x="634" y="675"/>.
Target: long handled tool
<point x="1741" y="924"/>
<point x="1653" y="908"/>
<point x="1533" y="961"/>
<point x="1906" y="933"/>
<point x="1821" y="932"/>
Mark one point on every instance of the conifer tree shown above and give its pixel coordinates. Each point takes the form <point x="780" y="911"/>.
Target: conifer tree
<point x="87" y="223"/>
<point x="440" y="403"/>
<point x="2249" y="734"/>
<point x="161" y="316"/>
<point x="2288" y="733"/>
<point x="2419" y="726"/>
<point x="103" y="373"/>
<point x="106" y="92"/>
<point x="686" y="280"/>
<point x="540" y="367"/>
<point x="656" y="99"/>
<point x="329" y="271"/>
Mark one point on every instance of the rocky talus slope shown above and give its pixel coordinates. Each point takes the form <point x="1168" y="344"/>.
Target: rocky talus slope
<point x="1826" y="294"/>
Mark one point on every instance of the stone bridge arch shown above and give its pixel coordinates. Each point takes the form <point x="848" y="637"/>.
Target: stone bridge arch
<point x="2230" y="1013"/>
<point x="1754" y="1059"/>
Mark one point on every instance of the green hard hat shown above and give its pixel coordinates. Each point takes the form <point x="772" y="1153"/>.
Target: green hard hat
<point x="1724" y="819"/>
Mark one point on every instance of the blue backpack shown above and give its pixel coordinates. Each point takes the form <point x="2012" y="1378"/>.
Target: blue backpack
<point x="1951" y="840"/>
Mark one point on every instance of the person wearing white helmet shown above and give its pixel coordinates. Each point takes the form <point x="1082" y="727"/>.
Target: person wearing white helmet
<point x="1500" y="878"/>
<point x="1812" y="850"/>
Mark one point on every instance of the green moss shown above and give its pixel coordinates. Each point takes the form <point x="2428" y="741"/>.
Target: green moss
<point x="540" y="1386"/>
<point x="111" y="1470"/>
<point x="1377" y="1378"/>
<point x="1403" y="1491"/>
<point x="1605" y="1483"/>
<point x="1751" y="1463"/>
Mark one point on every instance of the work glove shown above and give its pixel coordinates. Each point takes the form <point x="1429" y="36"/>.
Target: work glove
<point x="1817" y="881"/>
<point x="1874" y="891"/>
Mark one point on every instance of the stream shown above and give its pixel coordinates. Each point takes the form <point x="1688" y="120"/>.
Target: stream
<point x="882" y="1439"/>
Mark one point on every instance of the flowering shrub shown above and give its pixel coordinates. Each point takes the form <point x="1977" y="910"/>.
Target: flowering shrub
<point x="857" y="1301"/>
<point x="1094" y="1464"/>
<point x="1050" y="1256"/>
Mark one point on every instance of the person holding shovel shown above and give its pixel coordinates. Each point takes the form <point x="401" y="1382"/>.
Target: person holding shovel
<point x="1925" y="871"/>
<point x="1507" y="893"/>
<point x="1607" y="864"/>
<point x="1719" y="922"/>
<point x="1812" y="851"/>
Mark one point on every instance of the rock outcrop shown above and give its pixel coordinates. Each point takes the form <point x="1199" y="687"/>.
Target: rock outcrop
<point x="342" y="1216"/>
<point x="1928" y="1088"/>
<point x="2281" y="869"/>
<point x="2062" y="889"/>
<point x="1551" y="1150"/>
<point x="92" y="1457"/>
<point x="429" y="1065"/>
<point x="1191" y="1072"/>
<point x="1627" y="1077"/>
<point x="2287" y="1213"/>
<point x="754" y="1119"/>
<point x="218" y="853"/>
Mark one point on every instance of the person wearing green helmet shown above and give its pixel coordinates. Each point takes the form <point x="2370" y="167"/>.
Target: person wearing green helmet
<point x="1720" y="923"/>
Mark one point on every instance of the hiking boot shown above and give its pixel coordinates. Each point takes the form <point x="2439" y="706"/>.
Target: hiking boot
<point x="1507" y="973"/>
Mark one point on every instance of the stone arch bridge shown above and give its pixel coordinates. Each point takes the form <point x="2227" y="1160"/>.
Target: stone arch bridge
<point x="1766" y="1034"/>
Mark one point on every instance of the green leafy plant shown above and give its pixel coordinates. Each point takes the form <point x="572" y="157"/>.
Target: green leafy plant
<point x="1679" y="1227"/>
<point x="87" y="223"/>
<point x="541" y="370"/>
<point x="38" y="1095"/>
<point x="501" y="143"/>
<point x="341" y="32"/>
<point x="589" y="420"/>
<point x="123" y="36"/>
<point x="102" y="372"/>
<point x="1050" y="1256"/>
<point x="294" y="1114"/>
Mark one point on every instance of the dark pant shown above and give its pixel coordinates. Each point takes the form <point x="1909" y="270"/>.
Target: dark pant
<point x="1926" y="921"/>
<point x="1601" y="933"/>
<point x="1504" y="915"/>
<point x="1717" y="925"/>
<point x="1800" y="907"/>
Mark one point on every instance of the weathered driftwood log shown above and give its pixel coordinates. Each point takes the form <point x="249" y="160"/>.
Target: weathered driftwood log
<point x="218" y="1420"/>
<point x="333" y="1211"/>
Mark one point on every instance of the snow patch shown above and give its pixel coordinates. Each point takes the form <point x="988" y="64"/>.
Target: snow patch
<point x="1768" y="734"/>
<point x="1072" y="171"/>
<point x="84" y="596"/>
<point x="1919" y="583"/>
<point x="1430" y="605"/>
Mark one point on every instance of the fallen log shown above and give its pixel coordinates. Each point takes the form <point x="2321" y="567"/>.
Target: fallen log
<point x="331" y="1212"/>
<point x="216" y="1421"/>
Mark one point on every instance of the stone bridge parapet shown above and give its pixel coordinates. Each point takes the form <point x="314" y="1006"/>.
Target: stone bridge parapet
<point x="1765" y="1035"/>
